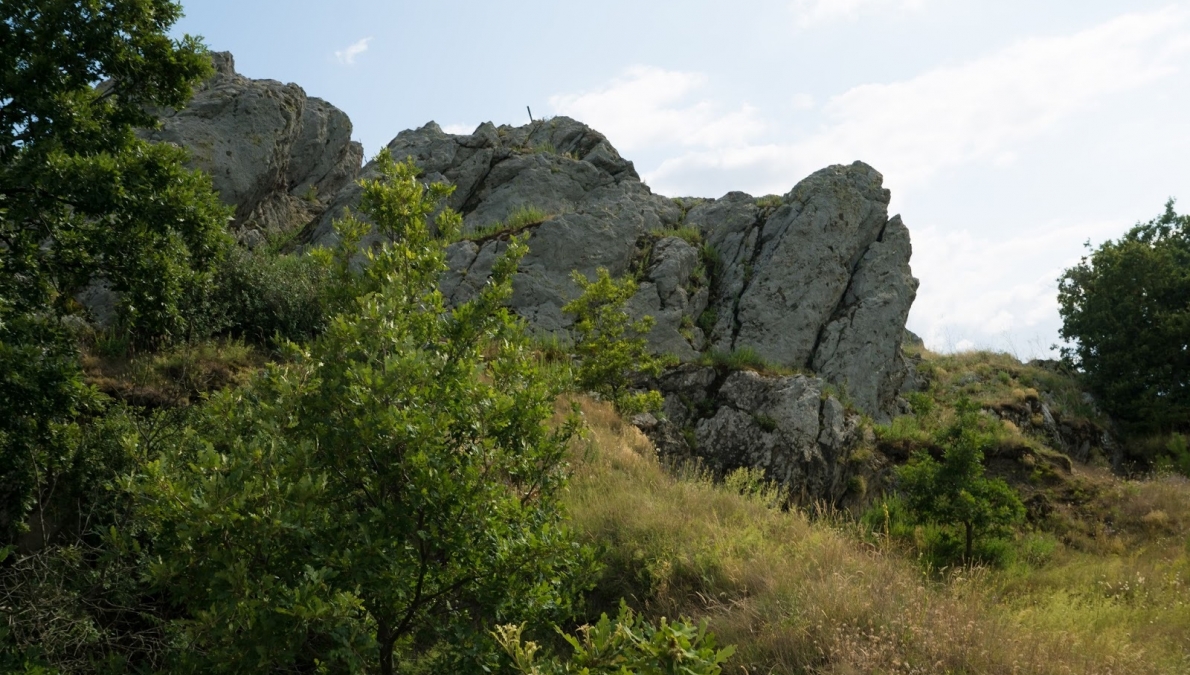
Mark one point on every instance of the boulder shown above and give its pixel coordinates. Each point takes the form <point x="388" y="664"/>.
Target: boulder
<point x="273" y="153"/>
<point x="790" y="427"/>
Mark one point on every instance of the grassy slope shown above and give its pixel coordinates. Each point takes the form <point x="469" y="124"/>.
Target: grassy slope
<point x="1098" y="587"/>
<point x="802" y="595"/>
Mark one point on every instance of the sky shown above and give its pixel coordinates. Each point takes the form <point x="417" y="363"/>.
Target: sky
<point x="1010" y="133"/>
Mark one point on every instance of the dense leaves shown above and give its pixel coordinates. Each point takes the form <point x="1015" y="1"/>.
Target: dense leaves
<point x="955" y="492"/>
<point x="611" y="347"/>
<point x="1126" y="310"/>
<point x="81" y="197"/>
<point x="384" y="496"/>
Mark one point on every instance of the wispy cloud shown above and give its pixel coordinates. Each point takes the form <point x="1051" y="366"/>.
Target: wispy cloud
<point x="649" y="106"/>
<point x="984" y="111"/>
<point x="811" y="12"/>
<point x="347" y="56"/>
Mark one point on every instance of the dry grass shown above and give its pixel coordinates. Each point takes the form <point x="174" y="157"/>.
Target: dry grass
<point x="174" y="377"/>
<point x="802" y="596"/>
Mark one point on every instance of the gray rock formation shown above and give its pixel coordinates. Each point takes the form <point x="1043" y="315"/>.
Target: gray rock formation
<point x="272" y="152"/>
<point x="788" y="426"/>
<point x="816" y="279"/>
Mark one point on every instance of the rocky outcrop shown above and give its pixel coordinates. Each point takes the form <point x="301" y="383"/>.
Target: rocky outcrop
<point x="817" y="279"/>
<point x="273" y="153"/>
<point x="789" y="426"/>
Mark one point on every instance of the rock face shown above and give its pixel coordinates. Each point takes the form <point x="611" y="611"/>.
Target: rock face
<point x="789" y="426"/>
<point x="817" y="279"/>
<point x="272" y="152"/>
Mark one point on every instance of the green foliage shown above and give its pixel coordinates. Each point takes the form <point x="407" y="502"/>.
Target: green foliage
<point x="691" y="235"/>
<point x="770" y="201"/>
<point x="269" y="298"/>
<point x="1126" y="308"/>
<point x="383" y="496"/>
<point x="954" y="492"/>
<point x="743" y="358"/>
<point x="81" y="197"/>
<point x="627" y="645"/>
<point x="611" y="347"/>
<point x="523" y="217"/>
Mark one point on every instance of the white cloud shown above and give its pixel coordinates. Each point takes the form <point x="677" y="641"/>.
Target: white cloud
<point x="979" y="112"/>
<point x="985" y="289"/>
<point x="810" y="12"/>
<point x="650" y="106"/>
<point x="347" y="56"/>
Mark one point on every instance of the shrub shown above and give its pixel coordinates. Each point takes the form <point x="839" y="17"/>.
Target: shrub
<point x="954" y="492"/>
<point x="627" y="645"/>
<point x="611" y="346"/>
<point x="268" y="298"/>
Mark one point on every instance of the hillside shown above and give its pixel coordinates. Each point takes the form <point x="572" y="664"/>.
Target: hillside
<point x="294" y="413"/>
<point x="1094" y="583"/>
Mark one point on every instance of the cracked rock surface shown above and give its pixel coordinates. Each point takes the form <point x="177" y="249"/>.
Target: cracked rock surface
<point x="788" y="426"/>
<point x="814" y="280"/>
<point x="272" y="152"/>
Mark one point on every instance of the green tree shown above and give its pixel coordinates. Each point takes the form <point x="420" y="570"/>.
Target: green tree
<point x="82" y="198"/>
<point x="611" y="346"/>
<point x="384" y="495"/>
<point x="955" y="492"/>
<point x="1126" y="310"/>
<point x="627" y="645"/>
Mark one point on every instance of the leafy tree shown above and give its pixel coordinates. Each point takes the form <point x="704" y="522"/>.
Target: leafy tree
<point x="82" y="198"/>
<point x="611" y="346"/>
<point x="955" y="492"/>
<point x="627" y="645"/>
<point x="384" y="495"/>
<point x="1126" y="308"/>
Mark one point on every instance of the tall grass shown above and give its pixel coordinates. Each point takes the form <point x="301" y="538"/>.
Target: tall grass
<point x="797" y="595"/>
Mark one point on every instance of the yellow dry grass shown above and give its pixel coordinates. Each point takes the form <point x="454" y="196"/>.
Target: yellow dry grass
<point x="798" y="595"/>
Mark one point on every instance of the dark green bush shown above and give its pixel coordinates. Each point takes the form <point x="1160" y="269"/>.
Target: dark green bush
<point x="263" y="296"/>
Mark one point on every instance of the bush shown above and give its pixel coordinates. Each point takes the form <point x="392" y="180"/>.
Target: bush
<point x="628" y="645"/>
<point x="268" y="298"/>
<point x="385" y="495"/>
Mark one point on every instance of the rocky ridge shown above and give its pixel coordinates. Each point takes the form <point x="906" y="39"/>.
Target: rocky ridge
<point x="815" y="280"/>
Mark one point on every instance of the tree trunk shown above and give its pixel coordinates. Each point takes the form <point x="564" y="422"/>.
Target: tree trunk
<point x="386" y="640"/>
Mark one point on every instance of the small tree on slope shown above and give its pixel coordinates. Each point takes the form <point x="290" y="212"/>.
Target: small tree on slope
<point x="954" y="492"/>
<point x="611" y="346"/>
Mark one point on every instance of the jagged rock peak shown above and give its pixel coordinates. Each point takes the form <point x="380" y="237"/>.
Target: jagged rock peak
<point x="273" y="153"/>
<point x="817" y="279"/>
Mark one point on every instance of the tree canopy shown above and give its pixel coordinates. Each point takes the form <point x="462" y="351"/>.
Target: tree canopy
<point x="1126" y="311"/>
<point x="84" y="200"/>
<point x="385" y="496"/>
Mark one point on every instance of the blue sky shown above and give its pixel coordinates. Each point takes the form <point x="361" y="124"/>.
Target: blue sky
<point x="1010" y="132"/>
